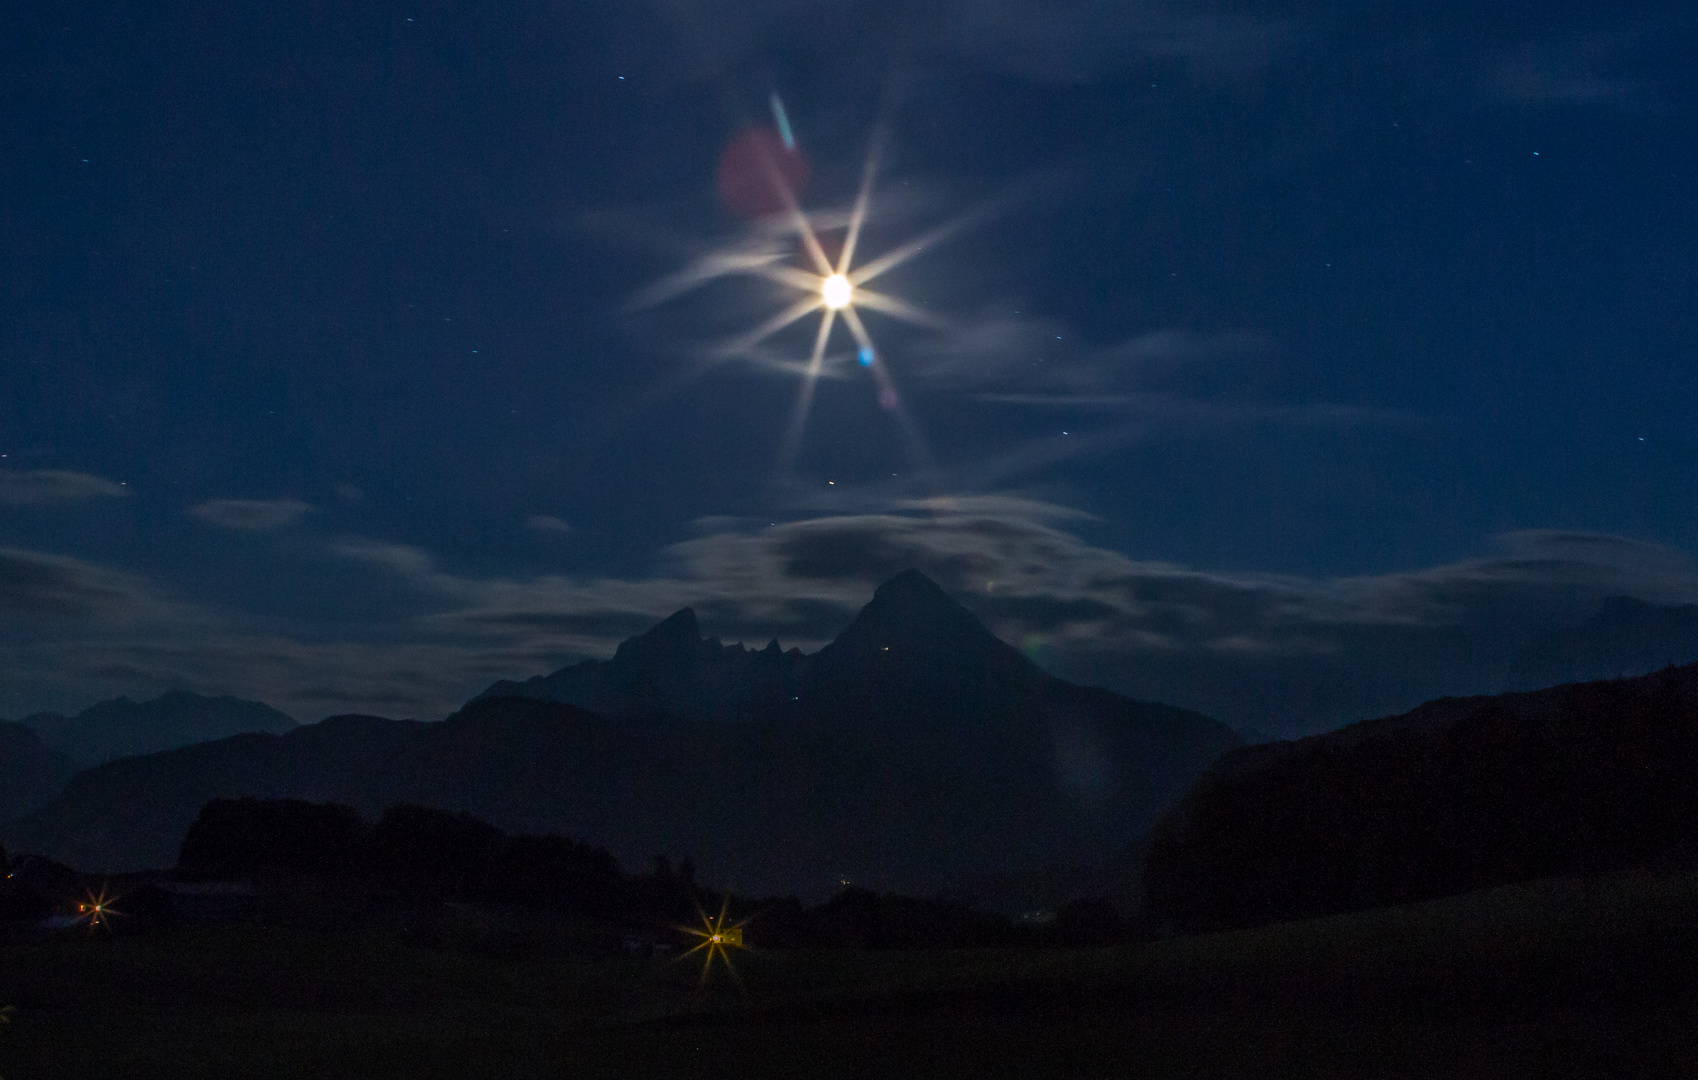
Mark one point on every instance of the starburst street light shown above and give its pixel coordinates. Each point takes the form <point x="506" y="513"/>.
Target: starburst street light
<point x="717" y="940"/>
<point x="97" y="909"/>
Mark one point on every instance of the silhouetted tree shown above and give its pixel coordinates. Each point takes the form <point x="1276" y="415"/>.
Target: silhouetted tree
<point x="1088" y="921"/>
<point x="1575" y="780"/>
<point x="860" y="918"/>
<point x="435" y="854"/>
<point x="20" y="902"/>
<point x="554" y="872"/>
<point x="240" y="838"/>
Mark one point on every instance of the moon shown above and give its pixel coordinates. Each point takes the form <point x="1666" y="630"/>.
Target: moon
<point x="836" y="291"/>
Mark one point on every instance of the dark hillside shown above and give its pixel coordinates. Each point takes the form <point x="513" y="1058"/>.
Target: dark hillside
<point x="30" y="773"/>
<point x="1625" y="637"/>
<point x="1458" y="795"/>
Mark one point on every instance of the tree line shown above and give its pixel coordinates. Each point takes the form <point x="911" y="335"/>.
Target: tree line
<point x="1584" y="779"/>
<point x="416" y="855"/>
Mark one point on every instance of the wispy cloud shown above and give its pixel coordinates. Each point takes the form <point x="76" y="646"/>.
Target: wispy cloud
<point x="403" y="559"/>
<point x="36" y="585"/>
<point x="53" y="485"/>
<point x="547" y="523"/>
<point x="1048" y="40"/>
<point x="1598" y="69"/>
<point x="1081" y="40"/>
<point x="252" y="515"/>
<point x="1012" y="357"/>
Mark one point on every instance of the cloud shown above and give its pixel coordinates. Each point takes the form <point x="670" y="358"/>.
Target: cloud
<point x="1588" y="70"/>
<point x="1081" y="40"/>
<point x="403" y="559"/>
<point x="1012" y="556"/>
<point x="252" y="515"/>
<point x="1008" y="358"/>
<point x="1276" y="651"/>
<point x="547" y="523"/>
<point x="34" y="584"/>
<point x="999" y="348"/>
<point x="53" y="485"/>
<point x="1066" y="41"/>
<point x="1013" y="358"/>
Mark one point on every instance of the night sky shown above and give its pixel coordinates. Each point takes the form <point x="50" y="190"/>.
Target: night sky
<point x="337" y="370"/>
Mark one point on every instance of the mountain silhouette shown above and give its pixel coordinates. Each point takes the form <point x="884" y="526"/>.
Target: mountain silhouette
<point x="917" y="751"/>
<point x="30" y="773"/>
<point x="121" y="727"/>
<point x="670" y="671"/>
<point x="1624" y="637"/>
<point x="915" y="648"/>
<point x="1459" y="794"/>
<point x="912" y="649"/>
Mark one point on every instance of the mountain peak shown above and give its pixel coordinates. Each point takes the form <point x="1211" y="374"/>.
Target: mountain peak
<point x="913" y="613"/>
<point x="911" y="596"/>
<point x="912" y="585"/>
<point x="676" y="635"/>
<point x="681" y="625"/>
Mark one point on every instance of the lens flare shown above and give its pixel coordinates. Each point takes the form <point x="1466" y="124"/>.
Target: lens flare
<point x="833" y="285"/>
<point x="717" y="940"/>
<point x="97" y="911"/>
<point x="836" y="291"/>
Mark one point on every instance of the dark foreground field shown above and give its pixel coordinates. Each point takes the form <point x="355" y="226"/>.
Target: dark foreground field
<point x="1560" y="978"/>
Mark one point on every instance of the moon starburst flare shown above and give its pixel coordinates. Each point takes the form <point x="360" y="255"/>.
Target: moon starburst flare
<point x="837" y="292"/>
<point x="835" y="288"/>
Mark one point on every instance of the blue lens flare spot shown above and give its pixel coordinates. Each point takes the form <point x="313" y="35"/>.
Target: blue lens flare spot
<point x="866" y="357"/>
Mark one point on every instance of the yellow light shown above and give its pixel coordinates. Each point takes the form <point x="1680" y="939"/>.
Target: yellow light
<point x="836" y="291"/>
<point x="716" y="936"/>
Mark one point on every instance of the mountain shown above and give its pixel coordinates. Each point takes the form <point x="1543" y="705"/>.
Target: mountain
<point x="918" y="751"/>
<point x="1354" y="671"/>
<point x="30" y="773"/>
<point x="671" y="671"/>
<point x="122" y="728"/>
<point x="1457" y="795"/>
<point x="1623" y="637"/>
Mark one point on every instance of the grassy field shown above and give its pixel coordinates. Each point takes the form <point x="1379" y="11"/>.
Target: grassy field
<point x="1560" y="978"/>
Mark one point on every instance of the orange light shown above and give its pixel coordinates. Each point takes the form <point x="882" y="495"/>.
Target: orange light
<point x="716" y="938"/>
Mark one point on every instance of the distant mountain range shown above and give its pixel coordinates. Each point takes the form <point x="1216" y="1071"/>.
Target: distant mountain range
<point x="1624" y="637"/>
<point x="1457" y="795"/>
<point x="123" y="728"/>
<point x="1380" y="670"/>
<point x="671" y="671"/>
<point x="30" y="773"/>
<point x="914" y="751"/>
